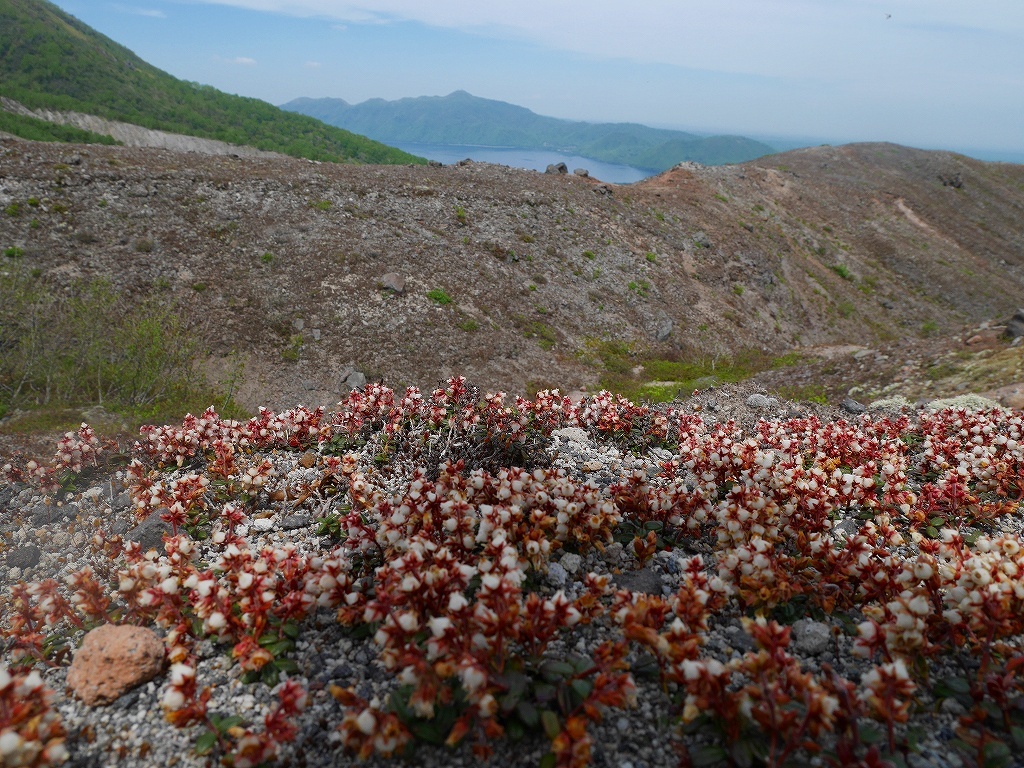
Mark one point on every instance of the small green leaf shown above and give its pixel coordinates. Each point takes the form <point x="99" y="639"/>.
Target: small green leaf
<point x="528" y="714"/>
<point x="251" y="676"/>
<point x="270" y="675"/>
<point x="281" y="647"/>
<point x="291" y="629"/>
<point x="742" y="754"/>
<point x="582" y="688"/>
<point x="996" y="755"/>
<point x="286" y="665"/>
<point x="932" y="531"/>
<point x="516" y="682"/>
<point x="553" y="671"/>
<point x="937" y="521"/>
<point x="427" y="731"/>
<point x="870" y="733"/>
<point x="514" y="730"/>
<point x="958" y="684"/>
<point x="397" y="702"/>
<point x="552" y="727"/>
<point x="206" y="742"/>
<point x="266" y="641"/>
<point x="1018" y="736"/>
<point x="544" y="692"/>
<point x="707" y="755"/>
<point x="581" y="664"/>
<point x="548" y="761"/>
<point x="653" y="525"/>
<point x="227" y="723"/>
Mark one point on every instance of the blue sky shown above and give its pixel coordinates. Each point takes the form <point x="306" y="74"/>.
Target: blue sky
<point x="927" y="73"/>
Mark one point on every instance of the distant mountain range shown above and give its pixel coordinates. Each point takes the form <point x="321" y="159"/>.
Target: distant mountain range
<point x="52" y="61"/>
<point x="461" y="118"/>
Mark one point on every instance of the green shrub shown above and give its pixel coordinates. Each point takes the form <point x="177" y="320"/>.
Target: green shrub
<point x="640" y="288"/>
<point x="439" y="296"/>
<point x="14" y="252"/>
<point x="545" y="334"/>
<point x="92" y="344"/>
<point x="842" y="270"/>
<point x="652" y="257"/>
<point x="294" y="348"/>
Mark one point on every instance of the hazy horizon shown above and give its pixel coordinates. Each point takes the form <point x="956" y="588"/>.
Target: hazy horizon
<point x="934" y="74"/>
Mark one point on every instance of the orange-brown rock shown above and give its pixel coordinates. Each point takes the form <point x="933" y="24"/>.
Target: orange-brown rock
<point x="112" y="660"/>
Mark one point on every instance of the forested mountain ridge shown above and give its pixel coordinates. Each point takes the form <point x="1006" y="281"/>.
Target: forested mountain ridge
<point x="461" y="118"/>
<point x="51" y="60"/>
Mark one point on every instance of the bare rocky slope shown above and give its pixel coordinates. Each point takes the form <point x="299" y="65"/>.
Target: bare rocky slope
<point x="876" y="246"/>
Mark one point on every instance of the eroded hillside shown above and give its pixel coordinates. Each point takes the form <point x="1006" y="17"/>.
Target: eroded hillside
<point x="518" y="279"/>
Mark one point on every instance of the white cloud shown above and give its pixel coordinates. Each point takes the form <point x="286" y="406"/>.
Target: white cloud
<point x="149" y="12"/>
<point x="244" y="61"/>
<point x="783" y="38"/>
<point x="312" y="65"/>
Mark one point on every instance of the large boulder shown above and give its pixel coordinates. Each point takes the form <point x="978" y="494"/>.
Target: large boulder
<point x="112" y="660"/>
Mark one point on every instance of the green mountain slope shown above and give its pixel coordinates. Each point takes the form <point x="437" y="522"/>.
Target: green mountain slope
<point x="51" y="60"/>
<point x="41" y="130"/>
<point x="460" y="118"/>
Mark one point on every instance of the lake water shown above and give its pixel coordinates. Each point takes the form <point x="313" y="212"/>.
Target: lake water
<point x="532" y="159"/>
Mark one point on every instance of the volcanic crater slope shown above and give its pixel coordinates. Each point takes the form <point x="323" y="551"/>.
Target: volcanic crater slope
<point x="521" y="280"/>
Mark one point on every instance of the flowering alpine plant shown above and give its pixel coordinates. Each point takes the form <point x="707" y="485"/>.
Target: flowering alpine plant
<point x="30" y="730"/>
<point x="442" y="517"/>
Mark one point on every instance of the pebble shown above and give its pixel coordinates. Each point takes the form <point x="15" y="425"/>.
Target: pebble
<point x="852" y="406"/>
<point x="294" y="522"/>
<point x="760" y="401"/>
<point x="571" y="562"/>
<point x="811" y="637"/>
<point x="262" y="524"/>
<point x="952" y="707"/>
<point x="557" y="574"/>
<point x="643" y="580"/>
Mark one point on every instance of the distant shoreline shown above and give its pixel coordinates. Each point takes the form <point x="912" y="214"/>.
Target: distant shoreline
<point x="528" y="158"/>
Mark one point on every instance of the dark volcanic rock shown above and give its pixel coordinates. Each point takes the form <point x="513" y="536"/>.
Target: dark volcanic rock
<point x="644" y="580"/>
<point x="852" y="406"/>
<point x="150" y="532"/>
<point x="24" y="557"/>
<point x="1015" y="327"/>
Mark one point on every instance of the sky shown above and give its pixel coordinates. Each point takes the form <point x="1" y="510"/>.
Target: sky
<point x="937" y="74"/>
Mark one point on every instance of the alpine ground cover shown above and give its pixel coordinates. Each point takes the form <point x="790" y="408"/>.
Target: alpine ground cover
<point x="443" y="516"/>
